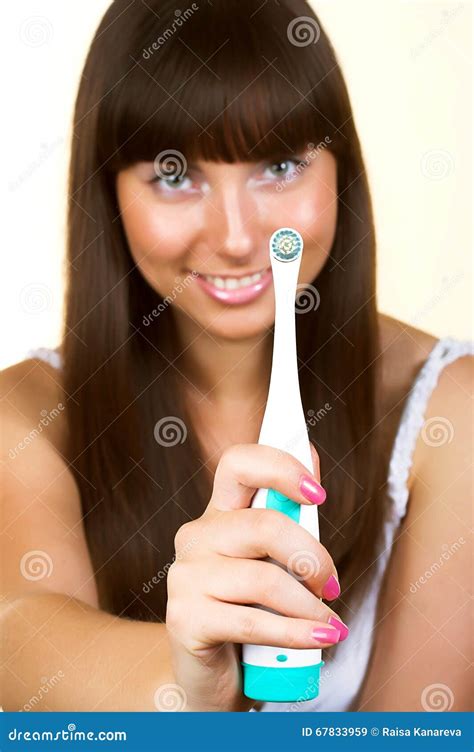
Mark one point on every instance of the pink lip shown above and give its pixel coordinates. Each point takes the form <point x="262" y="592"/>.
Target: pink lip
<point x="240" y="295"/>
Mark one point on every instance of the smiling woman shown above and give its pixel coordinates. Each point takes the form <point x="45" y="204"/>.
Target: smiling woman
<point x="200" y="196"/>
<point x="185" y="159"/>
<point x="181" y="164"/>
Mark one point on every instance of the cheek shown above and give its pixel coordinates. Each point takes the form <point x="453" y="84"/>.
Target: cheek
<point x="316" y="208"/>
<point x="154" y="235"/>
<point x="317" y="214"/>
<point x="312" y="208"/>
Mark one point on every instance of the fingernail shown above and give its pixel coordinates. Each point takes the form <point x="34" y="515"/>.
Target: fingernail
<point x="342" y="628"/>
<point x="331" y="589"/>
<point x="322" y="634"/>
<point x="312" y="490"/>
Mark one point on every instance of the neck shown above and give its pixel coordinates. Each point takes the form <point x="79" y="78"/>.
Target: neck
<point x="223" y="371"/>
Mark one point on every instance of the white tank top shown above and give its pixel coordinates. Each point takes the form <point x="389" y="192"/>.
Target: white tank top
<point x="342" y="677"/>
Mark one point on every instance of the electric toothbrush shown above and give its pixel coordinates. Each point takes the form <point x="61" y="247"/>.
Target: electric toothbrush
<point x="273" y="674"/>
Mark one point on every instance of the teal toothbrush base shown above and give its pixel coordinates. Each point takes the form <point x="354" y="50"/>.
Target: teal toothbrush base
<point x="275" y="684"/>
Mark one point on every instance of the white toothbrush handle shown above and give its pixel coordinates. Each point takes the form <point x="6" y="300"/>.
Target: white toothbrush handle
<point x="272" y="673"/>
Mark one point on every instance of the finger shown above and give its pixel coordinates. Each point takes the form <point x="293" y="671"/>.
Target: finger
<point x="245" y="467"/>
<point x="248" y="581"/>
<point x="316" y="463"/>
<point x="262" y="533"/>
<point x="245" y="625"/>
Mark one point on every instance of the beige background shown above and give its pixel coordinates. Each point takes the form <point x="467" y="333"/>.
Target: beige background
<point x="407" y="65"/>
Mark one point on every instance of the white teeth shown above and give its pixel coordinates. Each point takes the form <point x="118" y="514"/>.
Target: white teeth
<point x="232" y="283"/>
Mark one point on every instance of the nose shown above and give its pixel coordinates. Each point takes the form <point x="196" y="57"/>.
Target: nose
<point x="233" y="224"/>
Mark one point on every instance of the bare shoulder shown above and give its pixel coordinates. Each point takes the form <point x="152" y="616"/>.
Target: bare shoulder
<point x="424" y="608"/>
<point x="32" y="397"/>
<point x="404" y="350"/>
<point x="41" y="506"/>
<point x="444" y="448"/>
<point x="449" y="409"/>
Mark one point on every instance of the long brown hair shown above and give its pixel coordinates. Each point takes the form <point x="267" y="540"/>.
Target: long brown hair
<point x="233" y="81"/>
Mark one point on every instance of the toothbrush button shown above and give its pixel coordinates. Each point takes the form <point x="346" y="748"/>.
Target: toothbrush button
<point x="282" y="657"/>
<point x="280" y="502"/>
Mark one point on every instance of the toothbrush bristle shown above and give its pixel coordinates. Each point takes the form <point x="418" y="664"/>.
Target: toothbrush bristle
<point x="286" y="244"/>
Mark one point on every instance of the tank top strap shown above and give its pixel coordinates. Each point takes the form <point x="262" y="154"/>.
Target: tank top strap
<point x="444" y="352"/>
<point x="47" y="355"/>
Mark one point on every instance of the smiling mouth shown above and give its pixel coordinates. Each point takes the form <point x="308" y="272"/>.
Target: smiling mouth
<point x="234" y="283"/>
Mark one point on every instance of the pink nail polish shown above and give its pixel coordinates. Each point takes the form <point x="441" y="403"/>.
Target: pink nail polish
<point x="331" y="589"/>
<point x="312" y="490"/>
<point x="323" y="634"/>
<point x="342" y="628"/>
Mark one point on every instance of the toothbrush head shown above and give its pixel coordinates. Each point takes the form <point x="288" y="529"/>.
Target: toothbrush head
<point x="286" y="244"/>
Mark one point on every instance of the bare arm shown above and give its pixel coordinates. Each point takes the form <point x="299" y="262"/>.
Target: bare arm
<point x="60" y="652"/>
<point x="423" y="644"/>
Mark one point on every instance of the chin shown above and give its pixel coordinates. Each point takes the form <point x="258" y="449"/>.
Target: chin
<point x="239" y="322"/>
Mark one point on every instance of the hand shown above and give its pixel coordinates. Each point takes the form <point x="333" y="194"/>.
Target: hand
<point x="220" y="569"/>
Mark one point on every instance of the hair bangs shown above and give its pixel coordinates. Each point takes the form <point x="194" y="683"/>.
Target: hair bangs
<point x="192" y="97"/>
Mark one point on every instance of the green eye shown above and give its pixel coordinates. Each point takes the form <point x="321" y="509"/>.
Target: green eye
<point x="283" y="169"/>
<point x="280" y="168"/>
<point x="174" y="181"/>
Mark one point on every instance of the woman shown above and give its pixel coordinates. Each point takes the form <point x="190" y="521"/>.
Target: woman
<point x="135" y="556"/>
